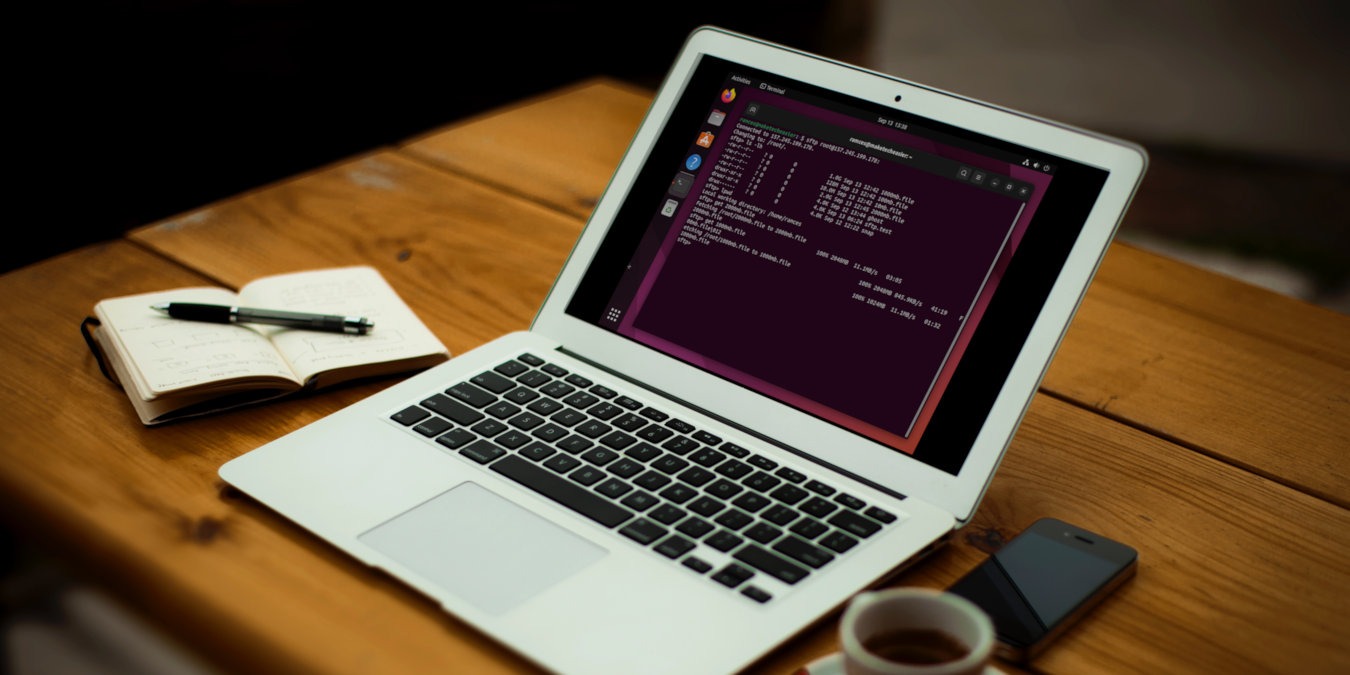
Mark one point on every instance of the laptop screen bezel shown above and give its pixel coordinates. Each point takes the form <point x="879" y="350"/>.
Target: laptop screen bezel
<point x="882" y="466"/>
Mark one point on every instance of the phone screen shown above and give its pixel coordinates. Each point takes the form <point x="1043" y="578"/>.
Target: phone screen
<point x="1034" y="584"/>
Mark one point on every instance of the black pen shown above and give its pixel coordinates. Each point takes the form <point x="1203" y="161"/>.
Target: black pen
<point x="331" y="323"/>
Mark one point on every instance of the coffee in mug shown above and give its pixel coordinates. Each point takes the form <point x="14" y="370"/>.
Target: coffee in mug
<point x="915" y="631"/>
<point x="918" y="646"/>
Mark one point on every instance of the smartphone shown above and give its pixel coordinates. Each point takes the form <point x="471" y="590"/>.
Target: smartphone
<point x="1043" y="581"/>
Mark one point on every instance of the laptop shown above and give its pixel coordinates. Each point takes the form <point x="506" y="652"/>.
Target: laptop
<point x="782" y="362"/>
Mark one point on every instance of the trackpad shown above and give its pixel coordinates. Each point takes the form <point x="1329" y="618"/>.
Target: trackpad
<point x="482" y="547"/>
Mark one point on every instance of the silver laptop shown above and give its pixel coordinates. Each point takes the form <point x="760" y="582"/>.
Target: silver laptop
<point x="782" y="362"/>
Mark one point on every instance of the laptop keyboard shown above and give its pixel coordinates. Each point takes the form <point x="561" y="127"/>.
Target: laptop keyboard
<point x="713" y="506"/>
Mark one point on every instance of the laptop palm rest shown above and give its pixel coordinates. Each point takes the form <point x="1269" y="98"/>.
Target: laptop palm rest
<point x="482" y="547"/>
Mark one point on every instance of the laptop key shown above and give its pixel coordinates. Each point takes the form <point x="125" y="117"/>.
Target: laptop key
<point x="522" y="395"/>
<point x="605" y="411"/>
<point x="652" y="480"/>
<point x="803" y="552"/>
<point x="470" y="394"/>
<point x="670" y="464"/>
<point x="568" y="417"/>
<point x="643" y="531"/>
<point x="733" y="449"/>
<point x="751" y="502"/>
<point x="779" y="515"/>
<point x="674" y="546"/>
<point x="789" y="494"/>
<point x="854" y="524"/>
<point x="757" y="594"/>
<point x="613" y="488"/>
<point x="771" y="564"/>
<point x="809" y="528"/>
<point x="695" y="527"/>
<point x="545" y="406"/>
<point x="762" y="532"/>
<point x="734" y="519"/>
<point x="409" y="416"/>
<point x="679" y="425"/>
<point x="818" y="507"/>
<point x="493" y="382"/>
<point x="707" y="457"/>
<point x="706" y="506"/>
<point x="640" y="501"/>
<point x="534" y="379"/>
<point x="488" y="427"/>
<point x="707" y="438"/>
<point x="655" y="434"/>
<point x="733" y="575"/>
<point x="561" y="490"/>
<point x="625" y="468"/>
<point x="455" y="438"/>
<point x="432" y="426"/>
<point x="820" y="488"/>
<point x="838" y="541"/>
<point x="761" y="481"/>
<point x="581" y="400"/>
<point x="557" y="389"/>
<point x="482" y="451"/>
<point x="503" y="409"/>
<point x="680" y="445"/>
<point x="734" y="469"/>
<point x="723" y="541"/>
<point x="525" y="421"/>
<point x="511" y="368"/>
<point x="536" y="451"/>
<point x="511" y="440"/>
<point x="587" y="475"/>
<point x="695" y="476"/>
<point x="654" y="414"/>
<point x="452" y="409"/>
<point x="617" y="440"/>
<point x="643" y="452"/>
<point x="574" y="444"/>
<point x="763" y="462"/>
<point x="679" y="493"/>
<point x="550" y="432"/>
<point x="697" y="564"/>
<point x="629" y="422"/>
<point x="562" y="463"/>
<point x="666" y="514"/>
<point x="724" y="489"/>
<point x="600" y="456"/>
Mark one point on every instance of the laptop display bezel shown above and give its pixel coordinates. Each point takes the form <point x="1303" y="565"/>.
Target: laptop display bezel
<point x="958" y="492"/>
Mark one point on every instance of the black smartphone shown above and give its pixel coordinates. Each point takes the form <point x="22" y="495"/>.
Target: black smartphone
<point x="1044" y="580"/>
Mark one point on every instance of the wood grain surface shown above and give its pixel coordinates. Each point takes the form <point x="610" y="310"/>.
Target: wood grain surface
<point x="1158" y="344"/>
<point x="1187" y="414"/>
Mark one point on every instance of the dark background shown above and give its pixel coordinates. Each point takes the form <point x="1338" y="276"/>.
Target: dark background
<point x="137" y="111"/>
<point x="132" y="111"/>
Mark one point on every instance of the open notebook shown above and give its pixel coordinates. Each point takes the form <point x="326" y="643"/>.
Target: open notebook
<point x="783" y="361"/>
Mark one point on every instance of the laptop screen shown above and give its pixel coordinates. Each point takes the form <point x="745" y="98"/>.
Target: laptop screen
<point x="872" y="268"/>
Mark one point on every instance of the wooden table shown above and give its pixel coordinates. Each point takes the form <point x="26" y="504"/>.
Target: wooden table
<point x="1200" y="419"/>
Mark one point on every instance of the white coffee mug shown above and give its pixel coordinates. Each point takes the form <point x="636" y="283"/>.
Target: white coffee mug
<point x="915" y="631"/>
